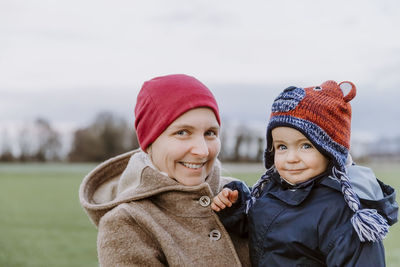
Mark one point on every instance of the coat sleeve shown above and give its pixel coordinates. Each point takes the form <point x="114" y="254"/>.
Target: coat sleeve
<point x="345" y="249"/>
<point x="122" y="242"/>
<point x="235" y="217"/>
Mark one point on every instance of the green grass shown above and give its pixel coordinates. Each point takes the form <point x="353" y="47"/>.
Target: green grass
<point x="42" y="223"/>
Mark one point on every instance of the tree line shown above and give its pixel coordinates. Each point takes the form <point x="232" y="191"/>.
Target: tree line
<point x="106" y="136"/>
<point x="37" y="141"/>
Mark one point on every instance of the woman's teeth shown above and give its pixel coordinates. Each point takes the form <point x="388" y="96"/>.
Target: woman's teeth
<point x="192" y="165"/>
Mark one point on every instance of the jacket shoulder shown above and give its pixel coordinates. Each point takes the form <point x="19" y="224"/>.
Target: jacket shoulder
<point x="364" y="182"/>
<point x="386" y="206"/>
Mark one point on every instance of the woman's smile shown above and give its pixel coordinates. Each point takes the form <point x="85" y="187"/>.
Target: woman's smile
<point x="193" y="165"/>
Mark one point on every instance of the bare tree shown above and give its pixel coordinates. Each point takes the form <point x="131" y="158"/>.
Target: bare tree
<point x="25" y="144"/>
<point x="243" y="143"/>
<point x="107" y="136"/>
<point x="48" y="141"/>
<point x="248" y="145"/>
<point x="6" y="153"/>
<point x="38" y="141"/>
<point x="261" y="148"/>
<point x="238" y="144"/>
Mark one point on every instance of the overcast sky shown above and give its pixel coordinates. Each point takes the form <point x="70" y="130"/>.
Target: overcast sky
<point x="66" y="60"/>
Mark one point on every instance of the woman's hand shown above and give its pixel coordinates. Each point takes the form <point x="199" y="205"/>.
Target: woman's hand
<point x="224" y="199"/>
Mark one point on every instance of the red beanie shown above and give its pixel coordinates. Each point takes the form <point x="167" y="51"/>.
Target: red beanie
<point x="163" y="99"/>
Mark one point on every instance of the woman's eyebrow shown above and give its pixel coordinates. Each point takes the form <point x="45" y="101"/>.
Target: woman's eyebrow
<point x="180" y="126"/>
<point x="191" y="127"/>
<point x="214" y="128"/>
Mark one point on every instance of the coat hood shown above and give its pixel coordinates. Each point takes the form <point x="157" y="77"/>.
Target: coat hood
<point x="131" y="177"/>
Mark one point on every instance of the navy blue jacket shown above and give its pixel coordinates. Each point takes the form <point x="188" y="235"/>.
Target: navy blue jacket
<point x="305" y="225"/>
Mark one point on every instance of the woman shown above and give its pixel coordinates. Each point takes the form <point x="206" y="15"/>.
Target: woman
<point x="152" y="206"/>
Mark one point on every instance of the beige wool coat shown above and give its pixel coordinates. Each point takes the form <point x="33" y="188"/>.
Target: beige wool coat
<point x="145" y="218"/>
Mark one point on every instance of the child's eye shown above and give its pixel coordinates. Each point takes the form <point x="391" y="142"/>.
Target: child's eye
<point x="306" y="146"/>
<point x="281" y="147"/>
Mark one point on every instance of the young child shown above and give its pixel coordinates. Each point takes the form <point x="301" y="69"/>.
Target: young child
<point x="303" y="211"/>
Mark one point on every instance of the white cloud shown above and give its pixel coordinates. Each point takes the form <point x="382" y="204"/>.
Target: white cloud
<point x="67" y="59"/>
<point x="49" y="44"/>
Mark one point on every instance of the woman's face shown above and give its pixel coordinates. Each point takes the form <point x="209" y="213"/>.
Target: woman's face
<point x="187" y="149"/>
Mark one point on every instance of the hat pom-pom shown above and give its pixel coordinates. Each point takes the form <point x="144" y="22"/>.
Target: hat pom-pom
<point x="369" y="225"/>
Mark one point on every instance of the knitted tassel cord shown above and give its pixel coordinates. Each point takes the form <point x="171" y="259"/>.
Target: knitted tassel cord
<point x="368" y="223"/>
<point x="256" y="190"/>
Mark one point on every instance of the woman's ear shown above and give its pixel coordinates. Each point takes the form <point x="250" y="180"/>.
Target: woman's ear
<point x="148" y="150"/>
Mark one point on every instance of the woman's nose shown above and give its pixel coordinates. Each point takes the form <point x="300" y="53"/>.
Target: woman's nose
<point x="200" y="147"/>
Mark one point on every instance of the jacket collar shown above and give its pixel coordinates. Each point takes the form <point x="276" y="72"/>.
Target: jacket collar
<point x="295" y="194"/>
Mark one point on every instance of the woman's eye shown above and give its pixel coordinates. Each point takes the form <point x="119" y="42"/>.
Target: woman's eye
<point x="210" y="133"/>
<point x="182" y="132"/>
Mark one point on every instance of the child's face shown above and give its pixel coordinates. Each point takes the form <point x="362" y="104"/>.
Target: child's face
<point x="295" y="158"/>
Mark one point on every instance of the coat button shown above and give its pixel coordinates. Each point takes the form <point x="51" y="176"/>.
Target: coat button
<point x="204" y="201"/>
<point x="214" y="235"/>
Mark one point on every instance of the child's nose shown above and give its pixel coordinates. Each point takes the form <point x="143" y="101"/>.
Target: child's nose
<point x="292" y="155"/>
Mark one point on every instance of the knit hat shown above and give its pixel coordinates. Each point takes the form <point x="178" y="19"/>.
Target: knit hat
<point x="163" y="99"/>
<point x="323" y="115"/>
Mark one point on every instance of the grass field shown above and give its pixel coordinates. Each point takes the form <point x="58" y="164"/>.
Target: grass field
<point x="42" y="223"/>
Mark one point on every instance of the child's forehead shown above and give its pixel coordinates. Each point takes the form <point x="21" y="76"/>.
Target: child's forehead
<point x="283" y="133"/>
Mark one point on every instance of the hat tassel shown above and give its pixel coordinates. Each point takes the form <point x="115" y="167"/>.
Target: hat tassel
<point x="368" y="223"/>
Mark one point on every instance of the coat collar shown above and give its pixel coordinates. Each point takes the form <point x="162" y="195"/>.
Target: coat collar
<point x="130" y="177"/>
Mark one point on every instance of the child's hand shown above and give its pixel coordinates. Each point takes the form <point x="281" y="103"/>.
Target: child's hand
<point x="224" y="199"/>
